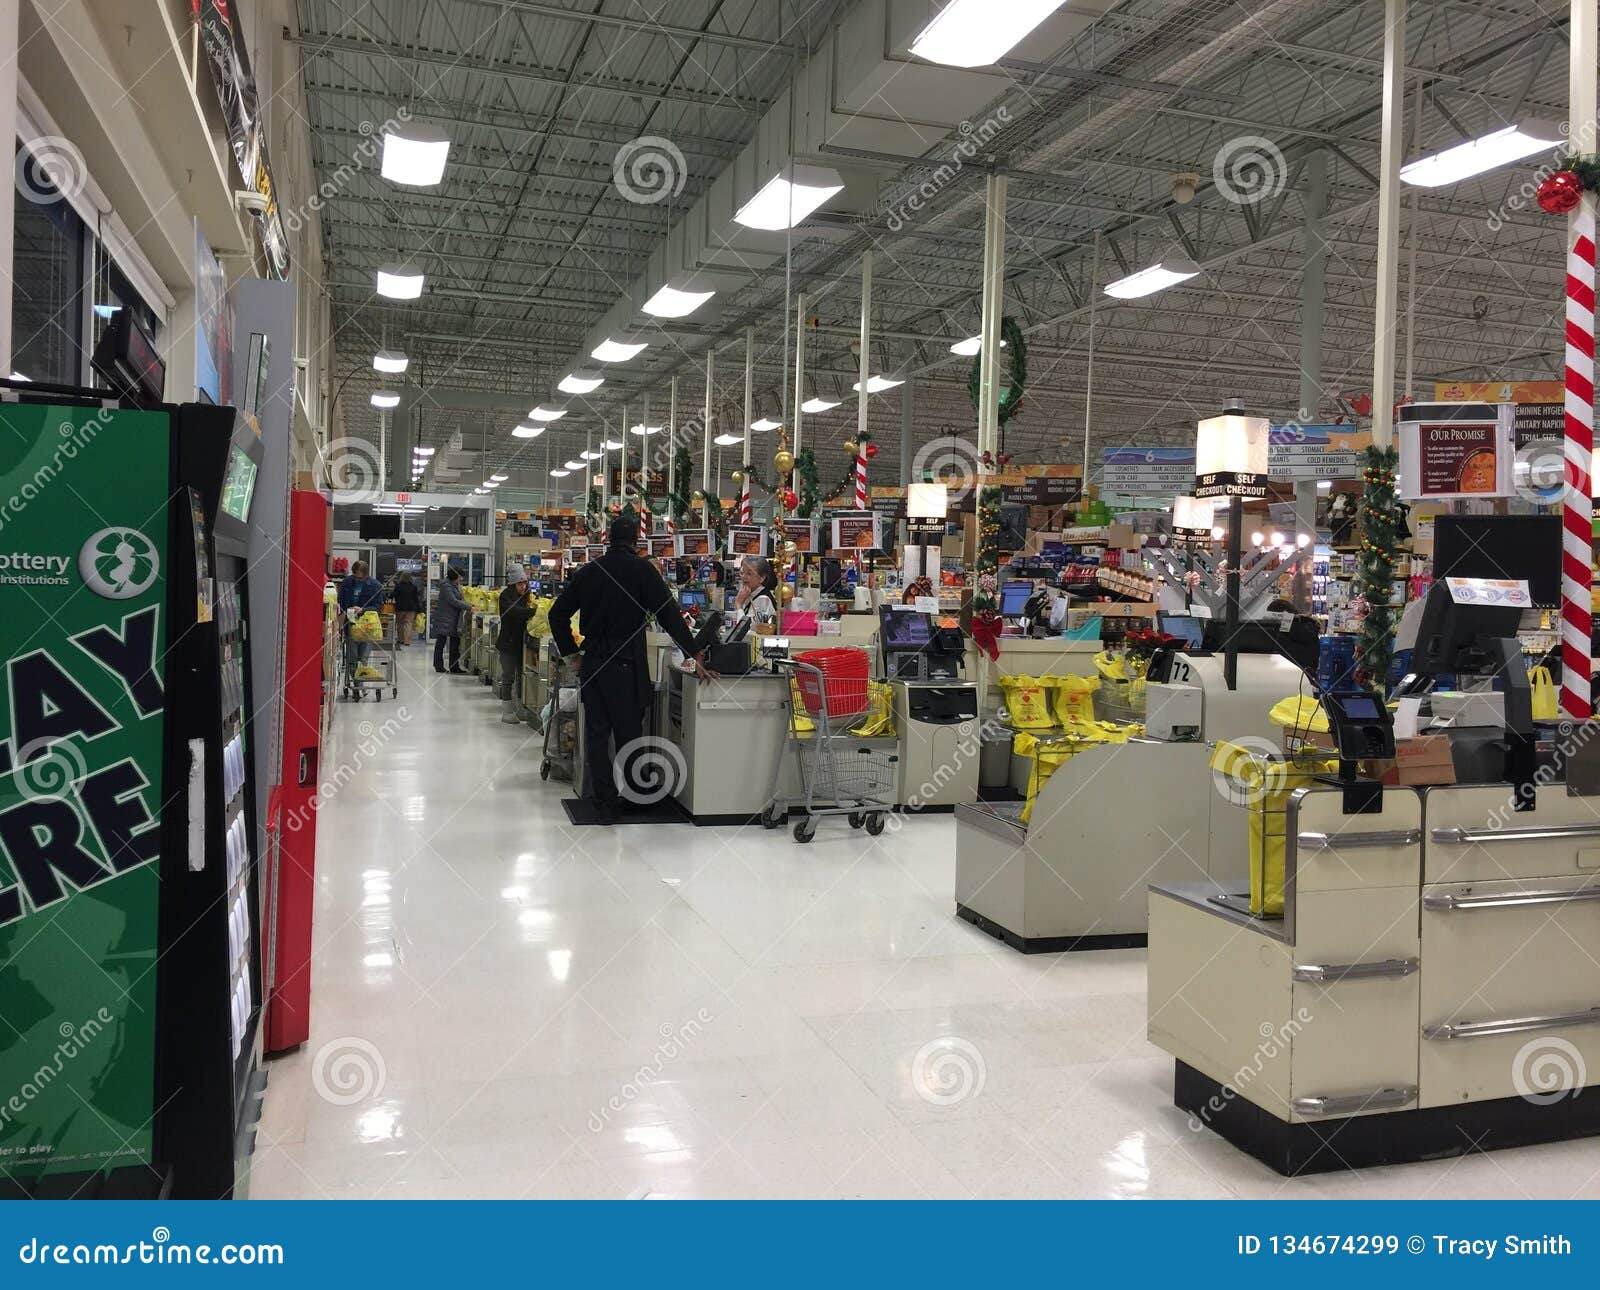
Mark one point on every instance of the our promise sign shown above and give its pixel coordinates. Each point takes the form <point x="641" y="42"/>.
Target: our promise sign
<point x="83" y="538"/>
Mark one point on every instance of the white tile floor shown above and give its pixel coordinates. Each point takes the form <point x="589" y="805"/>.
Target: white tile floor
<point x="507" y="1006"/>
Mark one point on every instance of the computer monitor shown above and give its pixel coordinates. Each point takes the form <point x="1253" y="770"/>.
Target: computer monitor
<point x="373" y="528"/>
<point x="1448" y="631"/>
<point x="1186" y="627"/>
<point x="1014" y="598"/>
<point x="831" y="577"/>
<point x="1524" y="547"/>
<point x="905" y="628"/>
<point x="692" y="598"/>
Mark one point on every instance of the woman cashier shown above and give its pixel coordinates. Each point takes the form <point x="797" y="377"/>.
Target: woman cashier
<point x="755" y="603"/>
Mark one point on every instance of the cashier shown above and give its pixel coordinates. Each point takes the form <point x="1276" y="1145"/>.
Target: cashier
<point x="755" y="602"/>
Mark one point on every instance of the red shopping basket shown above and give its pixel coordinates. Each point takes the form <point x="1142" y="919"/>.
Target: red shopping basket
<point x="843" y="679"/>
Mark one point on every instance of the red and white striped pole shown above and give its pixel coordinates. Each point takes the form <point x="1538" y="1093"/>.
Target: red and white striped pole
<point x="861" y="481"/>
<point x="1577" y="512"/>
<point x="744" y="501"/>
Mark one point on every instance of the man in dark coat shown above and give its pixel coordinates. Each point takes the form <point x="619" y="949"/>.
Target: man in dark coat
<point x="450" y="616"/>
<point x="613" y="596"/>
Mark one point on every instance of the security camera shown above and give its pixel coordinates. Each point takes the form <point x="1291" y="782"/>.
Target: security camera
<point x="249" y="200"/>
<point x="1183" y="187"/>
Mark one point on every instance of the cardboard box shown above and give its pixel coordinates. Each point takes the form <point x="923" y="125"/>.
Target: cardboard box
<point x="1418" y="762"/>
<point x="1123" y="537"/>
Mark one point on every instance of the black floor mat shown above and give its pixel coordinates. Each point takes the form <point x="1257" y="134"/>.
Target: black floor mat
<point x="580" y="810"/>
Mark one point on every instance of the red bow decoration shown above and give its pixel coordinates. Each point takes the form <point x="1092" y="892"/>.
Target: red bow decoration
<point x="986" y="633"/>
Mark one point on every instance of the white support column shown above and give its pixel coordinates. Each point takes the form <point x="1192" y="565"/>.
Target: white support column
<point x="994" y="272"/>
<point x="799" y="368"/>
<point x="672" y="450"/>
<point x="1088" y="385"/>
<point x="1388" y="272"/>
<point x="749" y="415"/>
<point x="864" y="367"/>
<point x="623" y="434"/>
<point x="1311" y="315"/>
<point x="705" y="452"/>
<point x="9" y="10"/>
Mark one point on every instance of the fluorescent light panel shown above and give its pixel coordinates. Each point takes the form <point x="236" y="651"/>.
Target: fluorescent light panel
<point x="612" y="445"/>
<point x="385" y="399"/>
<point x="399" y="282"/>
<point x="560" y="474"/>
<point x="970" y="347"/>
<point x="643" y="430"/>
<point x="877" y="384"/>
<point x="547" y="414"/>
<point x="819" y="404"/>
<point x="787" y="198"/>
<point x="977" y="33"/>
<point x="1476" y="156"/>
<point x="676" y="299"/>
<point x="727" y="440"/>
<point x="1158" y="277"/>
<point x="574" y="464"/>
<point x="763" y="424"/>
<point x="616" y="351"/>
<point x="415" y="155"/>
<point x="580" y="383"/>
<point x="391" y="361"/>
<point x="526" y="432"/>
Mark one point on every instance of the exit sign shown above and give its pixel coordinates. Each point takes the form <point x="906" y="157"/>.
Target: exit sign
<point x="402" y="498"/>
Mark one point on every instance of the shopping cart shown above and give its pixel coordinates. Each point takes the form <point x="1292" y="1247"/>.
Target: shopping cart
<point x="561" y="726"/>
<point x="840" y="773"/>
<point x="382" y="673"/>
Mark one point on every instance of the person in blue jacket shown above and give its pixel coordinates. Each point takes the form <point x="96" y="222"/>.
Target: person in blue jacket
<point x="359" y="591"/>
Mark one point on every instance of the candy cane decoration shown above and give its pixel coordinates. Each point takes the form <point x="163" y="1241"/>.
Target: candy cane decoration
<point x="861" y="481"/>
<point x="1577" y="515"/>
<point x="744" y="500"/>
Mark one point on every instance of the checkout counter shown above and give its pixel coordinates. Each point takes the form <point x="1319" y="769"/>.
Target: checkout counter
<point x="1432" y="986"/>
<point x="935" y="709"/>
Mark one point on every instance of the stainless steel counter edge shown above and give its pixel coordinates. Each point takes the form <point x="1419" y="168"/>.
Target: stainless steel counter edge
<point x="1198" y="896"/>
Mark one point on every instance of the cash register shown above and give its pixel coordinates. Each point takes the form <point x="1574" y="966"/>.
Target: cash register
<point x="914" y="648"/>
<point x="935" y="713"/>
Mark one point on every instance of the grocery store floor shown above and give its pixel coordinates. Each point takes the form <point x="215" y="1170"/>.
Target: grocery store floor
<point x="506" y="1006"/>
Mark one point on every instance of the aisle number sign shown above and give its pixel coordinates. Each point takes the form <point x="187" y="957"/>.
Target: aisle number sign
<point x="81" y="735"/>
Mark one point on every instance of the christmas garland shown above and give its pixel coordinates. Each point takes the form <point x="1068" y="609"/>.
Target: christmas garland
<point x="593" y="521"/>
<point x="805" y="469"/>
<point x="678" y="497"/>
<point x="1380" y="523"/>
<point x="986" y="590"/>
<point x="715" y="521"/>
<point x="1015" y="355"/>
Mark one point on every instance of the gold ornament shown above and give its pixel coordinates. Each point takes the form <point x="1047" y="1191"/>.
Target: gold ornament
<point x="783" y="462"/>
<point x="851" y="447"/>
<point x="789" y="549"/>
<point x="698" y="496"/>
<point x="738" y="476"/>
<point x="788" y="593"/>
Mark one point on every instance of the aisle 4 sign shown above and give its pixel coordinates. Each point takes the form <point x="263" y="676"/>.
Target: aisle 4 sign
<point x="63" y="828"/>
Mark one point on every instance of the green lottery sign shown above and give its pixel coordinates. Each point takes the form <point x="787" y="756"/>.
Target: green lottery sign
<point x="83" y="543"/>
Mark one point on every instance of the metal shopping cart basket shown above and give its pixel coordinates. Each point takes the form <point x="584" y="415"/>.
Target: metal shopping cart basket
<point x="561" y="726"/>
<point x="840" y="773"/>
<point x="381" y="673"/>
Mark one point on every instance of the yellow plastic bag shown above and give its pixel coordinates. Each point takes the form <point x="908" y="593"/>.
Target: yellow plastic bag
<point x="879" y="721"/>
<point x="799" y="720"/>
<point x="1545" y="706"/>
<point x="367" y="628"/>
<point x="539" y="621"/>
<point x="1262" y="785"/>
<point x="1113" y="667"/>
<point x="1049" y="757"/>
<point x="422" y="622"/>
<point x="1074" y="697"/>
<point x="1027" y="702"/>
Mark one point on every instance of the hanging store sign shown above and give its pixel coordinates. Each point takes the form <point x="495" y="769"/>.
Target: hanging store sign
<point x="1140" y="471"/>
<point x="1499" y="391"/>
<point x="1443" y="456"/>
<point x="1054" y="485"/>
<point x="1531" y="422"/>
<point x="1304" y="452"/>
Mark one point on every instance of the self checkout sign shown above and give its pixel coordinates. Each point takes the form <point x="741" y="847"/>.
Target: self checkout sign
<point x="1230" y="483"/>
<point x="1230" y="456"/>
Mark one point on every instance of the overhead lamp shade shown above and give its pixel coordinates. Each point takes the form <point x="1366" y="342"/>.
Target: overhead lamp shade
<point x="878" y="384"/>
<point x="972" y="346"/>
<point x="761" y="425"/>
<point x="399" y="282"/>
<point x="499" y="479"/>
<point x="927" y="501"/>
<point x="1192" y="516"/>
<point x="391" y="361"/>
<point x="612" y="445"/>
<point x="727" y="440"/>
<point x="581" y="382"/>
<point x="1230" y="456"/>
<point x="1158" y="277"/>
<point x="787" y="198"/>
<point x="589" y="455"/>
<point x="574" y="464"/>
<point x="817" y="404"/>
<point x="678" y="298"/>
<point x="1476" y="156"/>
<point x="560" y="474"/>
<point x="642" y="430"/>
<point x="977" y="33"/>
<point x="547" y="414"/>
<point x="414" y="154"/>
<point x="617" y="351"/>
<point x="385" y="399"/>
<point x="491" y="483"/>
<point x="526" y="432"/>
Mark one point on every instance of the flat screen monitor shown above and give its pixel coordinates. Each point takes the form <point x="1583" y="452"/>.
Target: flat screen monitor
<point x="378" y="528"/>
<point x="239" y="484"/>
<point x="1501" y="546"/>
<point x="1014" y="598"/>
<point x="831" y="576"/>
<point x="906" y="629"/>
<point x="1186" y="627"/>
<point x="692" y="598"/>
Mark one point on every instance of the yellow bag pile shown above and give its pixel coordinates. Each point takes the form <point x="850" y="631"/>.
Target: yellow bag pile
<point x="1075" y="697"/>
<point x="879" y="721"/>
<point x="1262" y="785"/>
<point x="1051" y="752"/>
<point x="367" y="628"/>
<point x="539" y="622"/>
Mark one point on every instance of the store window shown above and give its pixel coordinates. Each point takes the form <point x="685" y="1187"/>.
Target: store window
<point x="111" y="291"/>
<point x="47" y="291"/>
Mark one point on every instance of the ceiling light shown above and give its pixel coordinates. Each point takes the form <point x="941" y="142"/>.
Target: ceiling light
<point x="763" y="424"/>
<point x="587" y="455"/>
<point x="574" y="464"/>
<point x="727" y="440"/>
<point x="479" y="492"/>
<point x="1497" y="148"/>
<point x="819" y="404"/>
<point x="499" y="479"/>
<point x="644" y="430"/>
<point x="424" y="452"/>
<point x="678" y="298"/>
<point x="491" y="483"/>
<point x="1158" y="277"/>
<point x="878" y="384"/>
<point x="390" y="360"/>
<point x="19" y="376"/>
<point x="560" y="474"/>
<point x="415" y="154"/>
<point x="547" y="414"/>
<point x="580" y="383"/>
<point x="616" y="351"/>
<point x="971" y="346"/>
<point x="526" y="432"/>
<point x="788" y="198"/>
<point x="976" y="33"/>
<point x="385" y="399"/>
<point x="399" y="282"/>
<point x="612" y="445"/>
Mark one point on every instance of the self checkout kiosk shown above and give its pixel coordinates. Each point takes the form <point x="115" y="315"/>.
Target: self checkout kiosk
<point x="935" y="712"/>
